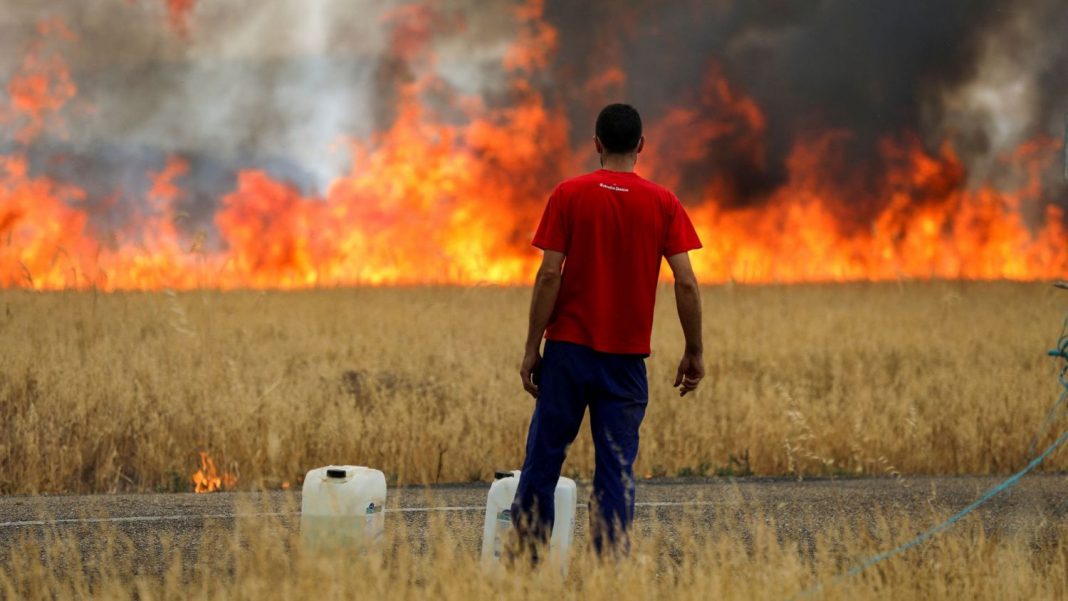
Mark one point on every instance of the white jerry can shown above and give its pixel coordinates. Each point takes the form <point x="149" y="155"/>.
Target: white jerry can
<point x="342" y="506"/>
<point x="499" y="519"/>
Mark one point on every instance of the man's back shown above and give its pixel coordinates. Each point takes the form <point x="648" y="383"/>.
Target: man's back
<point x="613" y="227"/>
<point x="603" y="234"/>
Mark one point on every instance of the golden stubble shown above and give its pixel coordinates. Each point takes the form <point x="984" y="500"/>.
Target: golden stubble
<point x="120" y="392"/>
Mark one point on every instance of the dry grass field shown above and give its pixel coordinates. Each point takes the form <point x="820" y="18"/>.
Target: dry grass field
<point x="735" y="559"/>
<point x="117" y="392"/>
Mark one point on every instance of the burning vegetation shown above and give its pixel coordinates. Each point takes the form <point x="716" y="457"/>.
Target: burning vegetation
<point x="447" y="188"/>
<point x="209" y="479"/>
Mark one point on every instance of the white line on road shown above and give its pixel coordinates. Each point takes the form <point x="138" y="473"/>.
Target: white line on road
<point x="139" y="518"/>
<point x="230" y="516"/>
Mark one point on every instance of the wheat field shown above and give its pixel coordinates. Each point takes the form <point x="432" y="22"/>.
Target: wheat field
<point x="741" y="558"/>
<point x="121" y="392"/>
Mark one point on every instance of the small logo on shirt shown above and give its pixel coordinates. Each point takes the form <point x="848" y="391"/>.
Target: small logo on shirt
<point x="611" y="187"/>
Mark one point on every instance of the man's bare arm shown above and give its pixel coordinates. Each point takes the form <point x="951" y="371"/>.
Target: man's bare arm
<point x="688" y="302"/>
<point x="542" y="303"/>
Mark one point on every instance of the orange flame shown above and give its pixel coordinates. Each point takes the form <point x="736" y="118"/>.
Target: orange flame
<point x="434" y="200"/>
<point x="207" y="478"/>
<point x="178" y="15"/>
<point x="42" y="86"/>
<point x="930" y="227"/>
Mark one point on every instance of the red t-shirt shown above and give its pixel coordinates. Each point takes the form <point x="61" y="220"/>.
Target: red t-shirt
<point x="614" y="227"/>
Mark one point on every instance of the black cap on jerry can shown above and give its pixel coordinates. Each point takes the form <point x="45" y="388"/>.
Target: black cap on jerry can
<point x="502" y="474"/>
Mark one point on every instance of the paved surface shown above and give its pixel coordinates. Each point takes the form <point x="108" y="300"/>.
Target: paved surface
<point x="797" y="510"/>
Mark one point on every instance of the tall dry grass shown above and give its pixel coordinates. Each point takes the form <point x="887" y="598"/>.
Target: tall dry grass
<point x="109" y="392"/>
<point x="733" y="559"/>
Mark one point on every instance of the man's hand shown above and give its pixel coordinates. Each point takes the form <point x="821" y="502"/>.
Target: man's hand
<point x="691" y="372"/>
<point x="542" y="303"/>
<point x="688" y="302"/>
<point x="528" y="371"/>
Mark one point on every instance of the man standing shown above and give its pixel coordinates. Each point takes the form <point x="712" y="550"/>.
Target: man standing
<point x="603" y="234"/>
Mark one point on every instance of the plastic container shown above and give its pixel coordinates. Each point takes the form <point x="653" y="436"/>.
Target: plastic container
<point x="342" y="506"/>
<point x="499" y="519"/>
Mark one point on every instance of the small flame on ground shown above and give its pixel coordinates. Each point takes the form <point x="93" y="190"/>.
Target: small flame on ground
<point x="207" y="478"/>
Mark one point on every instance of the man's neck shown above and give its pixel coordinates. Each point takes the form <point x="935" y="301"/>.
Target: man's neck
<point x="618" y="162"/>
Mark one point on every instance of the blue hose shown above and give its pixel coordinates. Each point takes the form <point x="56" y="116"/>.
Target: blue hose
<point x="1061" y="352"/>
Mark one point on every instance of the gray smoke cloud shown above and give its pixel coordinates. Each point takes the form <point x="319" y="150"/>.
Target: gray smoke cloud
<point x="1017" y="91"/>
<point x="290" y="79"/>
<point x="279" y="85"/>
<point x="987" y="74"/>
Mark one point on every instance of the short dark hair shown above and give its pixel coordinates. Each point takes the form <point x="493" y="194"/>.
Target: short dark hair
<point x="619" y="127"/>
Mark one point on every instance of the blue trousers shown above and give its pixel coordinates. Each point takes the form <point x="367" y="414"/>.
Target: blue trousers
<point x="616" y="390"/>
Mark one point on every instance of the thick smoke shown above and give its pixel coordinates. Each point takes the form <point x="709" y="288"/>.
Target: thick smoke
<point x="1018" y="90"/>
<point x="281" y="86"/>
<point x="987" y="74"/>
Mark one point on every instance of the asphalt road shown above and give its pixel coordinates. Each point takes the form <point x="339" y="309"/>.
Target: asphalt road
<point x="797" y="509"/>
